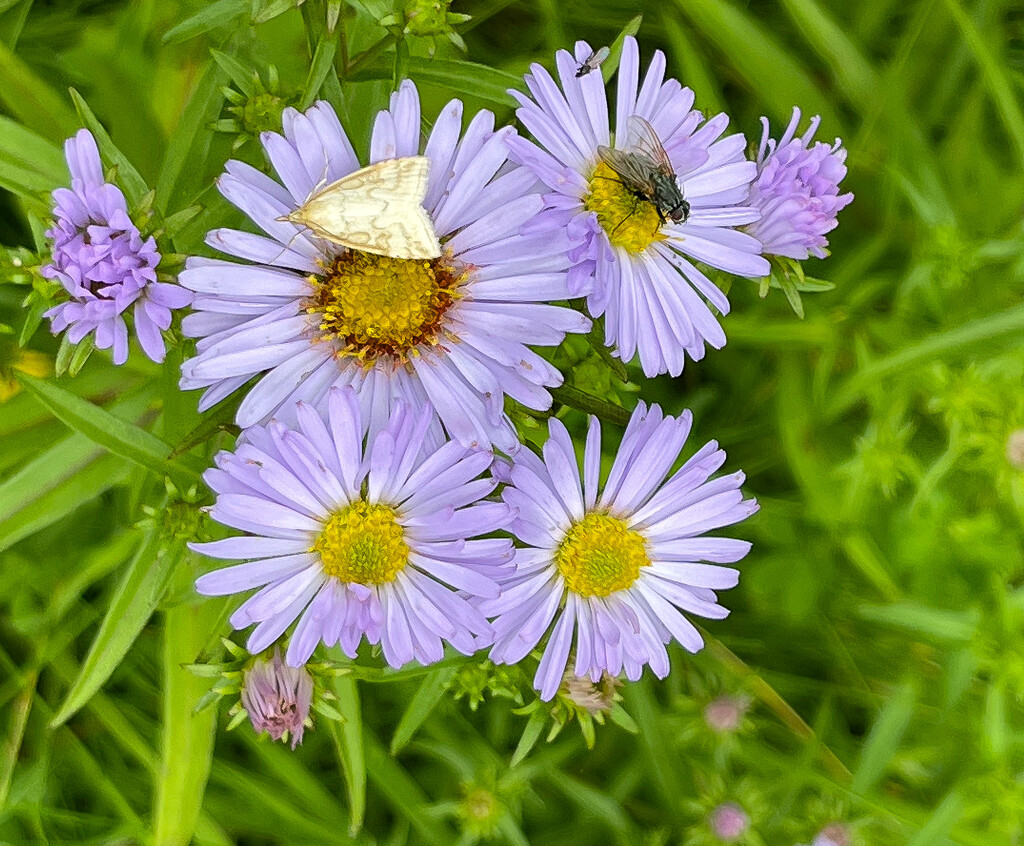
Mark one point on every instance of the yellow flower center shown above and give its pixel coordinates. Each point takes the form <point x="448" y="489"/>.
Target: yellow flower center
<point x="600" y="555"/>
<point x="362" y="543"/>
<point x="631" y="222"/>
<point x="377" y="305"/>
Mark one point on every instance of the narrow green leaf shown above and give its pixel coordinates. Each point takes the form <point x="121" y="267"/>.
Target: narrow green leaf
<point x="220" y="13"/>
<point x="241" y="75"/>
<point x="348" y="742"/>
<point x="110" y="432"/>
<point x="144" y="584"/>
<point x="23" y="147"/>
<point x="183" y="171"/>
<point x="135" y="187"/>
<point x="453" y="75"/>
<point x="32" y="101"/>
<point x="266" y="10"/>
<point x="589" y="404"/>
<point x="941" y="821"/>
<point x="426" y="698"/>
<point x="884" y="739"/>
<point x="402" y="792"/>
<point x="611" y="64"/>
<point x="994" y="72"/>
<point x="1002" y="325"/>
<point x="531" y="734"/>
<point x="938" y="623"/>
<point x="765" y="65"/>
<point x="788" y="286"/>
<point x="831" y="41"/>
<point x="321" y="66"/>
<point x="45" y="510"/>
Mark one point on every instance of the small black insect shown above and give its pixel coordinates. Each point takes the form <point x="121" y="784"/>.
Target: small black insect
<point x="644" y="168"/>
<point x="593" y="61"/>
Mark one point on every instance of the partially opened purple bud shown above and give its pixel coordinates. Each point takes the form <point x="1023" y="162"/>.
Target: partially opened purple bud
<point x="797" y="192"/>
<point x="277" y="698"/>
<point x="104" y="263"/>
<point x="725" y="713"/>
<point x="729" y="822"/>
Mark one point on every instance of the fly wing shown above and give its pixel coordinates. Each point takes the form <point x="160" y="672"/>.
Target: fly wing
<point x="634" y="168"/>
<point x="641" y="138"/>
<point x="377" y="209"/>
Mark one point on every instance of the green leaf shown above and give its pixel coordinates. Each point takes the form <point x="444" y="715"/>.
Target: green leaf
<point x="589" y="404"/>
<point x="611" y="64"/>
<point x="994" y="72"/>
<point x="348" y="742"/>
<point x="788" y="286"/>
<point x="112" y="433"/>
<point x="136" y="598"/>
<point x="426" y="698"/>
<point x="239" y="74"/>
<point x="134" y="186"/>
<point x="453" y="75"/>
<point x="769" y="68"/>
<point x="531" y="734"/>
<point x="985" y="330"/>
<point x="941" y="821"/>
<point x="265" y="10"/>
<point x="32" y="101"/>
<point x="831" y="41"/>
<point x="22" y="148"/>
<point x="183" y="172"/>
<point x="402" y="792"/>
<point x="884" y="739"/>
<point x="321" y="66"/>
<point x="212" y="16"/>
<point x="938" y="623"/>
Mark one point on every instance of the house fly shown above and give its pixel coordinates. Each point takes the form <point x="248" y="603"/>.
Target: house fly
<point x="645" y="169"/>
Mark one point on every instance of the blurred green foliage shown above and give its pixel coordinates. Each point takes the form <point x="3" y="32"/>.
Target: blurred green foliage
<point x="876" y="639"/>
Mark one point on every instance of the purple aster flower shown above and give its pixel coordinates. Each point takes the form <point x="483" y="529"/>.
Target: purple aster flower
<point x="638" y="269"/>
<point x="729" y="822"/>
<point x="101" y="259"/>
<point x="309" y="315"/>
<point x="277" y="698"/>
<point x="797" y="192"/>
<point x="613" y="567"/>
<point x="352" y="541"/>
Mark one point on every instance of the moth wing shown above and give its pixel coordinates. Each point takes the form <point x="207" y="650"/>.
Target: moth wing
<point x="377" y="209"/>
<point x="642" y="139"/>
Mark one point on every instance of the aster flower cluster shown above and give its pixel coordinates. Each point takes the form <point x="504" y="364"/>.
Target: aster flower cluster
<point x="380" y="488"/>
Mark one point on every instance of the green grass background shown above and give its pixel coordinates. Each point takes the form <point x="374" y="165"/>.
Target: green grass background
<point x="877" y="628"/>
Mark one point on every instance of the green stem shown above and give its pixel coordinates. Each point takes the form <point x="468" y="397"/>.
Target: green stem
<point x="187" y="749"/>
<point x="370" y="53"/>
<point x="777" y="705"/>
<point x="596" y="339"/>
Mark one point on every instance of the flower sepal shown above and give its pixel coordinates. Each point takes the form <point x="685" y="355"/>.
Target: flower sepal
<point x="788" y="276"/>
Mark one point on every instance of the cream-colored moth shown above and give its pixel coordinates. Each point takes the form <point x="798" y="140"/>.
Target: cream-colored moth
<point x="378" y="209"/>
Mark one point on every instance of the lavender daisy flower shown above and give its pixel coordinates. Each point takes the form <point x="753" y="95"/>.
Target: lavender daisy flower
<point x="797" y="191"/>
<point x="277" y="698"/>
<point x="638" y="267"/>
<point x="615" y="565"/>
<point x="352" y="541"/>
<point x="101" y="259"/>
<point x="309" y="315"/>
